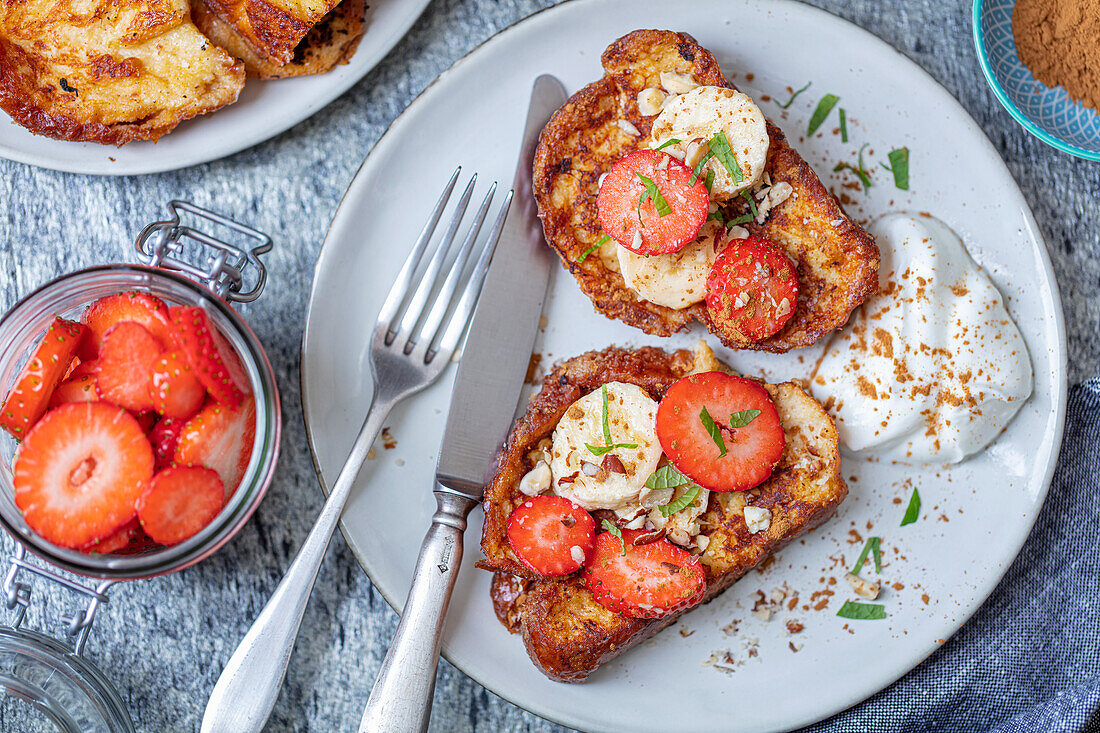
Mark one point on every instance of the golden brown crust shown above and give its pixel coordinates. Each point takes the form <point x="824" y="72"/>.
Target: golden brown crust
<point x="109" y="72"/>
<point x="566" y="632"/>
<point x="837" y="260"/>
<point x="328" y="44"/>
<point x="272" y="30"/>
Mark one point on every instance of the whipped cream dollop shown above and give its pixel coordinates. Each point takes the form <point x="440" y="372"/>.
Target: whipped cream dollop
<point x="932" y="368"/>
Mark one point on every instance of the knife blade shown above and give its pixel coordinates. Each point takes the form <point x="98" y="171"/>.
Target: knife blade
<point x="502" y="331"/>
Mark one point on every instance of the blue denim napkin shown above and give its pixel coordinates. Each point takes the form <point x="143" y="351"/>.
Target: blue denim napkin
<point x="1029" y="659"/>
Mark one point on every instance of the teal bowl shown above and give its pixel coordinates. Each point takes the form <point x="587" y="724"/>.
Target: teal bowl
<point x="1047" y="113"/>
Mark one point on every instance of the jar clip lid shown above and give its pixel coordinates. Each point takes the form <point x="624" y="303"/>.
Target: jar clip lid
<point x="225" y="270"/>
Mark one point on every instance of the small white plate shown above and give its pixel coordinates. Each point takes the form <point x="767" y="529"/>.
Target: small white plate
<point x="264" y="109"/>
<point x="975" y="516"/>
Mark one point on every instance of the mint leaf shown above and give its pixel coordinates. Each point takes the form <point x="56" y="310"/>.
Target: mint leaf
<point x="720" y="146"/>
<point x="666" y="143"/>
<point x="794" y="95"/>
<point x="899" y="166"/>
<point x="667" y="510"/>
<point x="824" y="107"/>
<point x="843" y="125"/>
<point x="666" y="477"/>
<point x="593" y="248"/>
<point x="654" y="194"/>
<point x="712" y="428"/>
<point x="610" y="527"/>
<point x="698" y="170"/>
<point x="862" y="611"/>
<point x="912" y="512"/>
<point x="752" y="204"/>
<point x="872" y="545"/>
<point x="743" y="418"/>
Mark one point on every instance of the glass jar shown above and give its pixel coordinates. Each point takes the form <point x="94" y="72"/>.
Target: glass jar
<point x="48" y="679"/>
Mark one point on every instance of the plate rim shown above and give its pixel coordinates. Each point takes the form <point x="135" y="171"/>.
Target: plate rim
<point x="59" y="164"/>
<point x="1060" y="354"/>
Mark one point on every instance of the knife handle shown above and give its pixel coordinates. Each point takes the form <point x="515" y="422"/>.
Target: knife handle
<point x="401" y="700"/>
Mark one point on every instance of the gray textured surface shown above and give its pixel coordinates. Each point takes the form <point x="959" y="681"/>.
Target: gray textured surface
<point x="163" y="642"/>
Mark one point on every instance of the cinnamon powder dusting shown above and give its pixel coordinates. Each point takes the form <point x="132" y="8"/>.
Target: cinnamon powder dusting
<point x="1059" y="41"/>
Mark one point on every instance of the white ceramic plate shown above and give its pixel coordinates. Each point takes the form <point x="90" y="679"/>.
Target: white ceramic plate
<point x="473" y="115"/>
<point x="264" y="109"/>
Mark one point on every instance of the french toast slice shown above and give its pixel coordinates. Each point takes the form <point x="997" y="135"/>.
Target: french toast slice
<point x="568" y="635"/>
<point x="837" y="259"/>
<point x="328" y="44"/>
<point x="109" y="71"/>
<point x="271" y="30"/>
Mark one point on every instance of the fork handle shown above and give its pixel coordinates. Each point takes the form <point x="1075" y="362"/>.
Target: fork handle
<point x="401" y="700"/>
<point x="245" y="693"/>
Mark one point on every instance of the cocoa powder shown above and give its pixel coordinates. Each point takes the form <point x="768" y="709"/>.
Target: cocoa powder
<point x="1059" y="41"/>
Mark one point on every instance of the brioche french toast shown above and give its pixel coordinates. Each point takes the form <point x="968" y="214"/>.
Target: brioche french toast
<point x="109" y="72"/>
<point x="328" y="44"/>
<point x="271" y="30"/>
<point x="567" y="631"/>
<point x="836" y="260"/>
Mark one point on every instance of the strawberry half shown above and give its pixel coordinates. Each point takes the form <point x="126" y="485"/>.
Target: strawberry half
<point x="720" y="430"/>
<point x="211" y="357"/>
<point x="551" y="535"/>
<point x="650" y="205"/>
<point x="141" y="308"/>
<point x="28" y="399"/>
<point x="125" y="365"/>
<point x="173" y="388"/>
<point x="219" y="437"/>
<point x="179" y="502"/>
<point x="752" y="289"/>
<point x="644" y="581"/>
<point x="79" y="472"/>
<point x="75" y="389"/>
<point x="115" y="541"/>
<point x="164" y="436"/>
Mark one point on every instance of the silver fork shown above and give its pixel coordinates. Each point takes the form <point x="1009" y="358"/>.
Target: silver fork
<point x="404" y="359"/>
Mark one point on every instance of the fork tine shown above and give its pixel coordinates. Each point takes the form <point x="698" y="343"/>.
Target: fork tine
<point x="400" y="287"/>
<point x="415" y="308"/>
<point x="430" y="327"/>
<point x="448" y="342"/>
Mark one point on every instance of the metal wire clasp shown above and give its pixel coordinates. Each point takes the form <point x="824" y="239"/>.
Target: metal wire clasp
<point x="225" y="270"/>
<point x="17" y="597"/>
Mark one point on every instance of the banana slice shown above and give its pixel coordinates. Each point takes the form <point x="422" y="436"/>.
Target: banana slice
<point x="612" y="480"/>
<point x="675" y="280"/>
<point x="694" y="118"/>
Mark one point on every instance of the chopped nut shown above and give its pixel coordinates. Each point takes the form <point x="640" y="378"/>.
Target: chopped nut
<point x="612" y="464"/>
<point x="628" y="127"/>
<point x="568" y="520"/>
<point x="764" y="613"/>
<point x="794" y="647"/>
<point x="737" y="232"/>
<point x="645" y="539"/>
<point x="577" y="554"/>
<point x="757" y="518"/>
<point x="650" y="101"/>
<point x="590" y="469"/>
<point x="677" y="83"/>
<point x="537" y="480"/>
<point x="863" y="588"/>
<point x="636" y="242"/>
<point x="702" y="542"/>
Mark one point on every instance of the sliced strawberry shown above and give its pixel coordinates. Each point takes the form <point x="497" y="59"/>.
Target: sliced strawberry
<point x="219" y="437"/>
<point x="83" y="368"/>
<point x="29" y="397"/>
<point x="141" y="308"/>
<point x="174" y="388"/>
<point x="125" y="364"/>
<point x="752" y="289"/>
<point x="75" y="389"/>
<point x="649" y="580"/>
<point x="118" y="540"/>
<point x="164" y="436"/>
<point x="146" y="419"/>
<point x="79" y="472"/>
<point x="631" y="214"/>
<point x="179" y="502"/>
<point x="211" y="357"/>
<point x="733" y="446"/>
<point x="551" y="535"/>
<point x="140" y="543"/>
